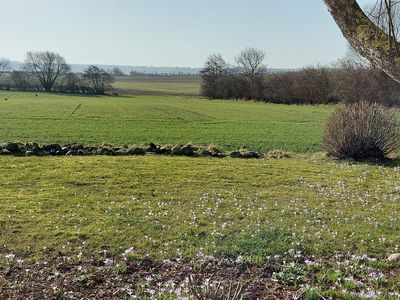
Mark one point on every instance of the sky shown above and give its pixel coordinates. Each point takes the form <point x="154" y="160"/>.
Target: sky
<point x="293" y="33"/>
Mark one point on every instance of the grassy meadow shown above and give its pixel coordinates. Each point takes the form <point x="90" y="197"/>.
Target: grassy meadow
<point x="307" y="225"/>
<point x="64" y="118"/>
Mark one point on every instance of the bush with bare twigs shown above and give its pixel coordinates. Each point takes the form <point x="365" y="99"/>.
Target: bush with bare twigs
<point x="360" y="131"/>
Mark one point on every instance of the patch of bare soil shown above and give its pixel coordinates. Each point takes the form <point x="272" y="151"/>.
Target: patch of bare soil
<point x="59" y="279"/>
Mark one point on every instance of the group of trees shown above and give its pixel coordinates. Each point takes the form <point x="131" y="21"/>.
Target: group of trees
<point x="48" y="71"/>
<point x="374" y="34"/>
<point x="351" y="79"/>
<point x="347" y="81"/>
<point x="243" y="80"/>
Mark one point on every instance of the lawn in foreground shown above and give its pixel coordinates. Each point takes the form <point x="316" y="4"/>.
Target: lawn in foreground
<point x="169" y="207"/>
<point x="326" y="226"/>
<point x="55" y="118"/>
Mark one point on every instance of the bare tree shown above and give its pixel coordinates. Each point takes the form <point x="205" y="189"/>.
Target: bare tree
<point x="385" y="15"/>
<point x="117" y="72"/>
<point x="100" y="80"/>
<point x="376" y="44"/>
<point x="250" y="62"/>
<point x="214" y="69"/>
<point x="354" y="58"/>
<point x="4" y="65"/>
<point x="47" y="67"/>
<point x="22" y="80"/>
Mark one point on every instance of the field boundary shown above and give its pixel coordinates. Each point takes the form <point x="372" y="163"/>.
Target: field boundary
<point x="34" y="149"/>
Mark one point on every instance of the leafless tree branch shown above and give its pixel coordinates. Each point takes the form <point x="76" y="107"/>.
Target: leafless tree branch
<point x="47" y="67"/>
<point x="4" y="66"/>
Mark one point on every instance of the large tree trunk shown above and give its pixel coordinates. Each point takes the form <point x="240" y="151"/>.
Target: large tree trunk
<point x="364" y="36"/>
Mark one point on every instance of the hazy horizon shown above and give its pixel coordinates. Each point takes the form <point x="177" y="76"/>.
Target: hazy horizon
<point x="18" y="64"/>
<point x="176" y="33"/>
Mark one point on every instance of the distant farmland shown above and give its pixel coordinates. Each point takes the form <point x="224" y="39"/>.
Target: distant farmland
<point x="163" y="85"/>
<point x="139" y="120"/>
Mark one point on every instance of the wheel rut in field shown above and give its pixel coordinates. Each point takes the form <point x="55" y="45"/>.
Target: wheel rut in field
<point x="203" y="117"/>
<point x="76" y="109"/>
<point x="165" y="111"/>
<point x="175" y="111"/>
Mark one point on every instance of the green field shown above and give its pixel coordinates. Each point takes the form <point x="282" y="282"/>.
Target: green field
<point x="160" y="119"/>
<point x="301" y="226"/>
<point x="165" y="85"/>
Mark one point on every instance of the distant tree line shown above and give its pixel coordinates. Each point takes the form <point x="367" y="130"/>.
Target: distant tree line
<point x="350" y="80"/>
<point x="117" y="72"/>
<point x="136" y="74"/>
<point x="48" y="71"/>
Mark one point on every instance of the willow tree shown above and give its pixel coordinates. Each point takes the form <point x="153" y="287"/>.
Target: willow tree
<point x="376" y="43"/>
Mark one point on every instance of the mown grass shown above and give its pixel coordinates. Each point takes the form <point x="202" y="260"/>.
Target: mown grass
<point x="169" y="207"/>
<point x="323" y="226"/>
<point x="161" y="119"/>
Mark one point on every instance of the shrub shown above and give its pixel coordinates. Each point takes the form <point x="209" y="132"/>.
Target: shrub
<point x="360" y="131"/>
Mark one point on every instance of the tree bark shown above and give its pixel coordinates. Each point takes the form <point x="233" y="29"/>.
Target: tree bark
<point x="364" y="36"/>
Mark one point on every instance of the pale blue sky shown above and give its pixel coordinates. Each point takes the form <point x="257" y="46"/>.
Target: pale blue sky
<point x="293" y="33"/>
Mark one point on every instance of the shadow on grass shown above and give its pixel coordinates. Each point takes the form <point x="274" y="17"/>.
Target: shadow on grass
<point x="390" y="162"/>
